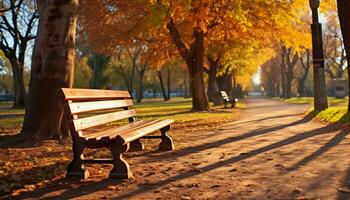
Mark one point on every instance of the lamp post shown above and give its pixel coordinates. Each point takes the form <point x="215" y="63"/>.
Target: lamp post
<point x="320" y="96"/>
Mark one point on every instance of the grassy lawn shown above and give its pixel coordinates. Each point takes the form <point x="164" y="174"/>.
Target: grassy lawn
<point x="336" y="113"/>
<point x="333" y="114"/>
<point x="332" y="101"/>
<point x="177" y="109"/>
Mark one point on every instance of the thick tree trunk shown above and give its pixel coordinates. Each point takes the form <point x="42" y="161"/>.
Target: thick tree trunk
<point x="344" y="16"/>
<point x="194" y="58"/>
<point x="195" y="65"/>
<point x="52" y="69"/>
<point x="162" y="87"/>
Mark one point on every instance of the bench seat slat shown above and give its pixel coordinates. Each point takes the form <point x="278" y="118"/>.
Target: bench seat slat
<point x="99" y="134"/>
<point x="138" y="133"/>
<point x="88" y="122"/>
<point x="81" y="107"/>
<point x="89" y="94"/>
<point x="114" y="132"/>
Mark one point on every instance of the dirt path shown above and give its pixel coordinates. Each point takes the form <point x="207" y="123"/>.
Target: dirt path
<point x="271" y="153"/>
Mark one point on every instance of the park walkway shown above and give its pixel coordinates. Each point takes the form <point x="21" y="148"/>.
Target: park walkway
<point x="272" y="152"/>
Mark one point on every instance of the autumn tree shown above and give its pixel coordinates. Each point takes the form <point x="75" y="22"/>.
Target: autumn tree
<point x="335" y="55"/>
<point x="52" y="69"/>
<point x="305" y="61"/>
<point x="344" y="16"/>
<point x="17" y="29"/>
<point x="188" y="25"/>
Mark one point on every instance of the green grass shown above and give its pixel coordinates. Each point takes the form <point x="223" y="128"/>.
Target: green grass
<point x="309" y="100"/>
<point x="334" y="115"/>
<point x="177" y="109"/>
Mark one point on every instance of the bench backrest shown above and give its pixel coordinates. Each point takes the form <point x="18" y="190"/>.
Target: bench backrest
<point x="224" y="95"/>
<point x="114" y="104"/>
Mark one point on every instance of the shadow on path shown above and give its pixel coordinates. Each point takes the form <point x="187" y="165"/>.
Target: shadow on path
<point x="218" y="143"/>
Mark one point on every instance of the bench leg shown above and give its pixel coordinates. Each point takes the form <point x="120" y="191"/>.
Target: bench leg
<point x="136" y="145"/>
<point x="233" y="104"/>
<point x="121" y="169"/>
<point x="76" y="168"/>
<point x="167" y="143"/>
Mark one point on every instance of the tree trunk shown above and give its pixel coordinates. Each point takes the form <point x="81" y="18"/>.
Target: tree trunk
<point x="195" y="65"/>
<point x="302" y="79"/>
<point x="52" y="69"/>
<point x="344" y="16"/>
<point x="168" y="83"/>
<point x="194" y="58"/>
<point x="140" y="88"/>
<point x="162" y="87"/>
<point x="224" y="82"/>
<point x="283" y="73"/>
<point x="18" y="83"/>
<point x="212" y="87"/>
<point x="289" y="83"/>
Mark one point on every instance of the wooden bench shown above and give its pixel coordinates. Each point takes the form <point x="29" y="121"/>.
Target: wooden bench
<point x="83" y="109"/>
<point x="227" y="100"/>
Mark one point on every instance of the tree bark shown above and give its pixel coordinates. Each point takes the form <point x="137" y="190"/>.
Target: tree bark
<point x="162" y="87"/>
<point x="212" y="87"/>
<point x="194" y="57"/>
<point x="344" y="16"/>
<point x="224" y="82"/>
<point x="283" y="73"/>
<point x="52" y="69"/>
<point x="168" y="83"/>
<point x="141" y="73"/>
<point x="302" y="79"/>
<point x="18" y="83"/>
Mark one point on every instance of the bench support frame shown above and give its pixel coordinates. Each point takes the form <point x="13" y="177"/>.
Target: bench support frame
<point x="77" y="168"/>
<point x="167" y="143"/>
<point x="136" y="145"/>
<point x="121" y="169"/>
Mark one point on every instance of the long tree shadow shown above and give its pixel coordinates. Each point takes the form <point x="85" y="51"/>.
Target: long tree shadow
<point x="218" y="143"/>
<point x="33" y="175"/>
<point x="331" y="143"/>
<point x="243" y="156"/>
<point x="190" y="150"/>
<point x="266" y="118"/>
